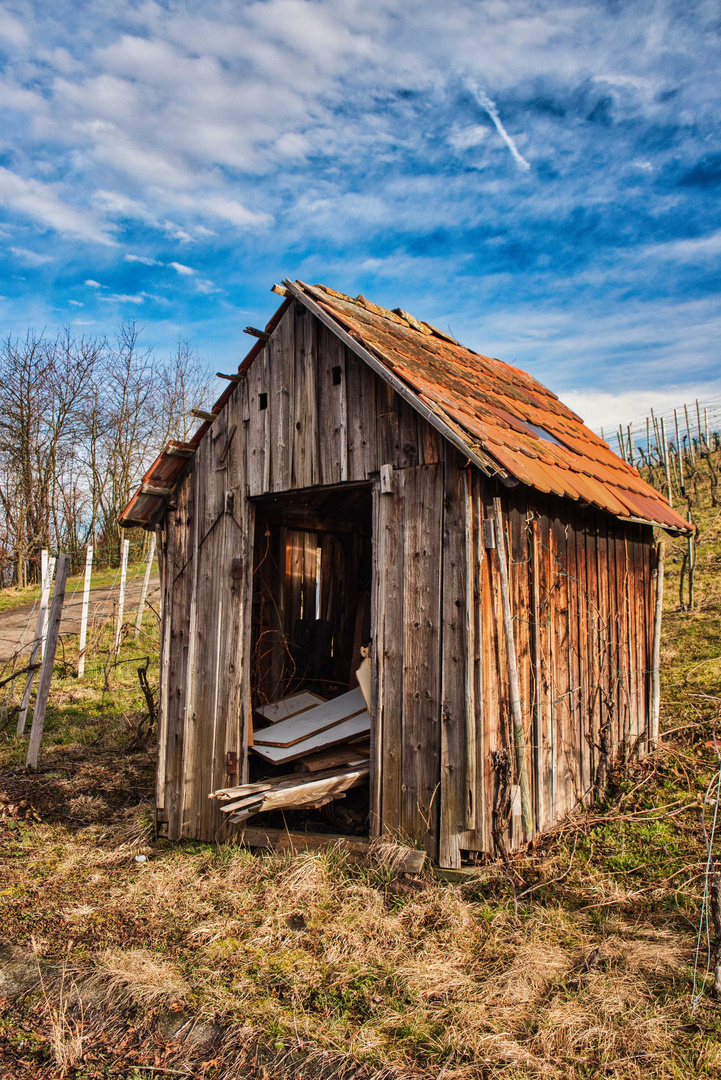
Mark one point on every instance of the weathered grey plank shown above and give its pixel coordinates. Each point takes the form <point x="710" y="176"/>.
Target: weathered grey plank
<point x="390" y="510"/>
<point x="457" y="782"/>
<point x="421" y="652"/>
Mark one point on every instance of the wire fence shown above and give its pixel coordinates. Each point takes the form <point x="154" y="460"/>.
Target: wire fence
<point x="691" y="427"/>
<point x="107" y="556"/>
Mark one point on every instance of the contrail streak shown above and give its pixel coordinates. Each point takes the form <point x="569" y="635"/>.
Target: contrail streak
<point x="490" y="107"/>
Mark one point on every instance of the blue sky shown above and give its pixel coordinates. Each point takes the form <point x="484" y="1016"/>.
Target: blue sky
<point x="541" y="177"/>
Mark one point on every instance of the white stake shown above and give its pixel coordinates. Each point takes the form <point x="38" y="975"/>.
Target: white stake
<point x="37" y="640"/>
<point x="46" y="672"/>
<point x="51" y="572"/>
<point x="86" y="605"/>
<point x="144" y="589"/>
<point x="121" y="594"/>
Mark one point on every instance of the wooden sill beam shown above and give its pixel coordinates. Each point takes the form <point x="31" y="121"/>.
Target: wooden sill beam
<point x="406" y="860"/>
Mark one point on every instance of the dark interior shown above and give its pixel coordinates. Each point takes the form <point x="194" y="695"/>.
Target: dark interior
<point x="312" y="570"/>
<point x="311" y="591"/>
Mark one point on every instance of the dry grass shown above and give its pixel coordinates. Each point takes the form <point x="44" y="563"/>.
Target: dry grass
<point x="138" y="977"/>
<point x="215" y="962"/>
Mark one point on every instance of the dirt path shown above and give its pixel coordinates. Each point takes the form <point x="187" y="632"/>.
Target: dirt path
<point x="18" y="624"/>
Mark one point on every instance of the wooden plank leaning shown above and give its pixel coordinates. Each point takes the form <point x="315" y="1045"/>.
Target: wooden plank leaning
<point x="84" y="612"/>
<point x="38" y="641"/>
<point x="121" y="594"/>
<point x="656" y="651"/>
<point x="46" y="672"/>
<point x="516" y="714"/>
<point x="144" y="588"/>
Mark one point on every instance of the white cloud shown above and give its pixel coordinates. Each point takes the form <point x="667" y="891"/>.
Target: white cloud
<point x="12" y="29"/>
<point x="694" y="250"/>
<point x="31" y="258"/>
<point x="42" y="203"/>
<point x="144" y="259"/>
<point x="467" y="137"/>
<point x="125" y="298"/>
<point x="94" y="284"/>
<point x="185" y="271"/>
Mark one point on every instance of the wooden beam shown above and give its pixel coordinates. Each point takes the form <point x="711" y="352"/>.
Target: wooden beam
<point x="513" y="684"/>
<point x="280" y="290"/>
<point x="232" y="378"/>
<point x="410" y="861"/>
<point x="656" y="649"/>
<point x="262" y="335"/>
<point x="202" y="415"/>
<point x="155" y="489"/>
<point x="46" y="673"/>
<point x="180" y="451"/>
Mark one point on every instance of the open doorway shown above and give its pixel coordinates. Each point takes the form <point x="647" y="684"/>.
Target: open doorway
<point x="312" y="573"/>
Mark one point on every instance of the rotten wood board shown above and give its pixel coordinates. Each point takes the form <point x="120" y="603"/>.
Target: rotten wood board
<point x="336" y="757"/>
<point x="275" y="711"/>
<point x="312" y="721"/>
<point x="306" y="792"/>
<point x="340" y="733"/>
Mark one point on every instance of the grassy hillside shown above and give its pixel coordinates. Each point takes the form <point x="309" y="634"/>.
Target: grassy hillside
<point x="128" y="957"/>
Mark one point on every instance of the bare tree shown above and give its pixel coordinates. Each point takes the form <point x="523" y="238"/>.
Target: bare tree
<point x="82" y="422"/>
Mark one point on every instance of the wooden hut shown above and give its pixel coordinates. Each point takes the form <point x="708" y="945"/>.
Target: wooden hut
<point x="354" y="474"/>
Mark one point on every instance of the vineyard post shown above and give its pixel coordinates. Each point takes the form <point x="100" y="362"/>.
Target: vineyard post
<point x="37" y="640"/>
<point x="121" y="593"/>
<point x="84" y="613"/>
<point x="144" y="589"/>
<point x="46" y="672"/>
<point x="665" y="461"/>
<point x="679" y="454"/>
<point x="690" y="437"/>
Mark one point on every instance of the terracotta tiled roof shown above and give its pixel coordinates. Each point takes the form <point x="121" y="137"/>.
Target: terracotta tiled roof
<point x="509" y="422"/>
<point x="501" y="413"/>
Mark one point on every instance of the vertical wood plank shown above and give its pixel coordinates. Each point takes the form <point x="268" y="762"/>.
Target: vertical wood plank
<point x="454" y="663"/>
<point x="423" y="522"/>
<point x="280" y="352"/>
<point x="390" y="653"/>
<point x="306" y="422"/>
<point x="331" y="407"/>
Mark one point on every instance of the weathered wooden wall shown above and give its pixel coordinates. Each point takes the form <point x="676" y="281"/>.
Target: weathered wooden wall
<point x="580" y="583"/>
